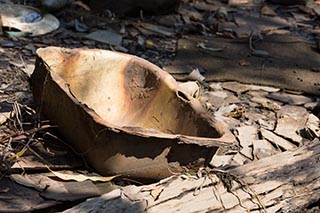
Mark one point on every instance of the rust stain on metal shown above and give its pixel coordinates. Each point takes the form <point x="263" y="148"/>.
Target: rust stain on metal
<point x="124" y="114"/>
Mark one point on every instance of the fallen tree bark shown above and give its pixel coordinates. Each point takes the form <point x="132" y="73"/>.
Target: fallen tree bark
<point x="289" y="181"/>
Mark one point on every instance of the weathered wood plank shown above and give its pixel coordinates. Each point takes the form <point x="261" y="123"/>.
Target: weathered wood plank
<point x="288" y="181"/>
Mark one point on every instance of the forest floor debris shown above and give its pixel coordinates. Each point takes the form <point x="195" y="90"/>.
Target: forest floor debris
<point x="289" y="34"/>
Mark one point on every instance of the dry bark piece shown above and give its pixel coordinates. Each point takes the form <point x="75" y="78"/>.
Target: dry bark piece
<point x="4" y="116"/>
<point x="121" y="110"/>
<point x="246" y="136"/>
<point x="262" y="149"/>
<point x="277" y="140"/>
<point x="17" y="198"/>
<point x="239" y="160"/>
<point x="312" y="105"/>
<point x="70" y="191"/>
<point x="195" y="75"/>
<point x="266" y="103"/>
<point x="290" y="98"/>
<point x="265" y="10"/>
<point x="216" y="99"/>
<point x="156" y="29"/>
<point x="312" y="129"/>
<point x="278" y="183"/>
<point x="264" y="118"/>
<point x="264" y="88"/>
<point x="221" y="160"/>
<point x="220" y="94"/>
<point x="81" y="177"/>
<point x="290" y="121"/>
<point x="105" y="36"/>
<point x="235" y="87"/>
<point x="191" y="88"/>
<point x="57" y="190"/>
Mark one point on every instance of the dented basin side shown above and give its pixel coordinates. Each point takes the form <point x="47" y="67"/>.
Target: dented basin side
<point x="109" y="148"/>
<point x="129" y="91"/>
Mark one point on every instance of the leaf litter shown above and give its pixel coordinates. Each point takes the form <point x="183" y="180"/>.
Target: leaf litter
<point x="21" y="129"/>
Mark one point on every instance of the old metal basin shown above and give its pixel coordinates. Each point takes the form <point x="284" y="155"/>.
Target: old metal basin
<point x="123" y="114"/>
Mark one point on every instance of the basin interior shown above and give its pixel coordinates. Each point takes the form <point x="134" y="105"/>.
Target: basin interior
<point x="128" y="91"/>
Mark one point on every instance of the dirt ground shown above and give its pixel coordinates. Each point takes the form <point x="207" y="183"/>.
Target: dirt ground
<point x="259" y="116"/>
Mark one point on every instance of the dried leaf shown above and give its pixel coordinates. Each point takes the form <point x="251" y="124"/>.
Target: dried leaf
<point x="222" y="13"/>
<point x="244" y="62"/>
<point x="313" y="127"/>
<point x="191" y="87"/>
<point x="157" y="29"/>
<point x="211" y="49"/>
<point x="105" y="36"/>
<point x="155" y="193"/>
<point x="195" y="75"/>
<point x="17" y="155"/>
<point x="81" y="177"/>
<point x="4" y="116"/>
<point x="260" y="53"/>
<point x="265" y="10"/>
